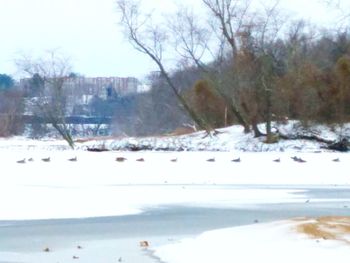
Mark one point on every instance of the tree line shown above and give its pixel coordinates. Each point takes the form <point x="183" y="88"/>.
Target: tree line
<point x="250" y="64"/>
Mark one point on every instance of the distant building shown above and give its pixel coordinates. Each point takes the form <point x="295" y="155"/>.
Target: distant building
<point x="81" y="90"/>
<point x="102" y="87"/>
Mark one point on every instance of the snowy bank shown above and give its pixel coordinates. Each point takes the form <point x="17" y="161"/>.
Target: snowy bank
<point x="228" y="139"/>
<point x="270" y="242"/>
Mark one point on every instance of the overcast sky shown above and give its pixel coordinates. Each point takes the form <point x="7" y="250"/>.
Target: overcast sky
<point x="88" y="32"/>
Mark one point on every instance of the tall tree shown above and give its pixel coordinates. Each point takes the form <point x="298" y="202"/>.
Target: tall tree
<point x="150" y="40"/>
<point x="49" y="73"/>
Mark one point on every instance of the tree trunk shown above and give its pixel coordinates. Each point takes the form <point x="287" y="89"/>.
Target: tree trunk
<point x="257" y="132"/>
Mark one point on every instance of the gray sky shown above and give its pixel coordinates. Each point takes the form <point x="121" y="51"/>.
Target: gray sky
<point x="88" y="32"/>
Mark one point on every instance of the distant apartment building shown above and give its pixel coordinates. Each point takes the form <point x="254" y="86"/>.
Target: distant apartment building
<point x="102" y="87"/>
<point x="80" y="90"/>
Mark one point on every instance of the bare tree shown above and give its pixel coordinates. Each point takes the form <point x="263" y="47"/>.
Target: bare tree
<point x="233" y="52"/>
<point x="342" y="7"/>
<point x="247" y="32"/>
<point x="53" y="69"/>
<point x="193" y="44"/>
<point x="150" y="40"/>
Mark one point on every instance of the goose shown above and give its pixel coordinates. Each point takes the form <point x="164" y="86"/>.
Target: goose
<point x="48" y="159"/>
<point x="294" y="158"/>
<point x="211" y="160"/>
<point x="74" y="159"/>
<point x="22" y="161"/>
<point x="298" y="159"/>
<point x="237" y="160"/>
<point x="174" y="160"/>
<point x="140" y="160"/>
<point x="120" y="159"/>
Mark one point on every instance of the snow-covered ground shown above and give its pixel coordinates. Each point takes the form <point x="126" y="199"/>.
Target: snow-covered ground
<point x="230" y="139"/>
<point x="97" y="185"/>
<point x="270" y="242"/>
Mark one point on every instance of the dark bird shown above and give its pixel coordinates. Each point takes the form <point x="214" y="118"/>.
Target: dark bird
<point x="22" y="161"/>
<point x="140" y="160"/>
<point x="120" y="259"/>
<point x="336" y="160"/>
<point x="237" y="160"/>
<point x="79" y="247"/>
<point x="120" y="159"/>
<point x="74" y="159"/>
<point x="298" y="159"/>
<point x="174" y="160"/>
<point x="211" y="160"/>
<point x="277" y="160"/>
<point x="294" y="158"/>
<point x="307" y="201"/>
<point x="75" y="257"/>
<point x="46" y="159"/>
<point x="30" y="160"/>
<point x="46" y="249"/>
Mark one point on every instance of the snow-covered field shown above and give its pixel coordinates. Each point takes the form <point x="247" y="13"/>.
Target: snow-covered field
<point x="96" y="184"/>
<point x="270" y="242"/>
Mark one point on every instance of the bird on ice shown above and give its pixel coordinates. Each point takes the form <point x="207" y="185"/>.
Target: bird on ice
<point x="298" y="159"/>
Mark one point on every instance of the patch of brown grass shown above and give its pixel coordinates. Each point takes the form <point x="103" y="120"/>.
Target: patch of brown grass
<point x="330" y="228"/>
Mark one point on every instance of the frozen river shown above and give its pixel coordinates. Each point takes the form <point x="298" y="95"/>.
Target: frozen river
<point x="109" y="239"/>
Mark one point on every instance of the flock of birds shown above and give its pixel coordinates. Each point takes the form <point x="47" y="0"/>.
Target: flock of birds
<point x="123" y="159"/>
<point x="47" y="249"/>
<point x="236" y="160"/>
<point x="46" y="160"/>
<point x="143" y="244"/>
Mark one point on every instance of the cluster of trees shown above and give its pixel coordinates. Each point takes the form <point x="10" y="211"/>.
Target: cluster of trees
<point x="11" y="106"/>
<point x="249" y="64"/>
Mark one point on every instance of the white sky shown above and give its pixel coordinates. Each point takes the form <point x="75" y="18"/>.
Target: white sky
<point x="87" y="31"/>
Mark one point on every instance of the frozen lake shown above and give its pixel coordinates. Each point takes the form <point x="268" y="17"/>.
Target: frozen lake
<point x="107" y="239"/>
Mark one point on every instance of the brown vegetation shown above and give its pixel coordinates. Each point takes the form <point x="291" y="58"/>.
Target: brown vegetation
<point x="327" y="228"/>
